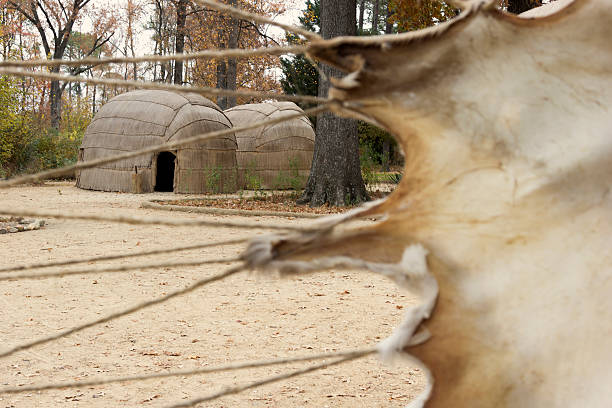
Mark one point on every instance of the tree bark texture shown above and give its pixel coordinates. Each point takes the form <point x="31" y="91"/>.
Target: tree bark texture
<point x="179" y="43"/>
<point x="221" y="79"/>
<point x="55" y="101"/>
<point x="335" y="176"/>
<point x="227" y="70"/>
<point x="375" y="16"/>
<point x="361" y="10"/>
<point x="386" y="145"/>
<point x="232" y="63"/>
<point x="388" y="23"/>
<point x="520" y="6"/>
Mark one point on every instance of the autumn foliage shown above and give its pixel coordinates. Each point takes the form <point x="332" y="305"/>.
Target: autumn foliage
<point x="417" y="14"/>
<point x="41" y="122"/>
<point x="211" y="30"/>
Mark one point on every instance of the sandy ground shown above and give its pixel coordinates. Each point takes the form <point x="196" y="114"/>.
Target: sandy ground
<point x="245" y="317"/>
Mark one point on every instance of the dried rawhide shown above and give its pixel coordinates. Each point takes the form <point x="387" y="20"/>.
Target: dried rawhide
<point x="503" y="219"/>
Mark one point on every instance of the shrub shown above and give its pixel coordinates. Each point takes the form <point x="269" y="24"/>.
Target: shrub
<point x="29" y="147"/>
<point x="252" y="180"/>
<point x="373" y="138"/>
<point x="16" y="133"/>
<point x="369" y="160"/>
<point x="213" y="179"/>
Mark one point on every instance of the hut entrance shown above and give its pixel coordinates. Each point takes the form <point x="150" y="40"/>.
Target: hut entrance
<point x="164" y="179"/>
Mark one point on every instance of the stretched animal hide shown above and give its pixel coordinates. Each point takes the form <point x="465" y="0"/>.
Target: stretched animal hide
<point x="507" y="134"/>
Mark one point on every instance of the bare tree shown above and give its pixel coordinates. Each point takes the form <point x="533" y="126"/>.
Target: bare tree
<point x="133" y="11"/>
<point x="162" y="23"/>
<point x="179" y="42"/>
<point x="55" y="18"/>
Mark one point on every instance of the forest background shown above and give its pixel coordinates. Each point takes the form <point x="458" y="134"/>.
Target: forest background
<point x="42" y="123"/>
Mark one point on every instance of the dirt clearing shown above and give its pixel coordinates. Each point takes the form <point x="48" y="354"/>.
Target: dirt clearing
<point x="245" y="317"/>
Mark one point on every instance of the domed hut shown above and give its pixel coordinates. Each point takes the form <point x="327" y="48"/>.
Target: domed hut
<point x="139" y="119"/>
<point x="276" y="156"/>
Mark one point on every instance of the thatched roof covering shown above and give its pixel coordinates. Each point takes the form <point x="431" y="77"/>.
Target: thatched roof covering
<point x="277" y="154"/>
<point x="139" y="119"/>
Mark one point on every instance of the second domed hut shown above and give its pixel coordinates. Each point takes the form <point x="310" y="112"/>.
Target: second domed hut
<point x="277" y="156"/>
<point x="139" y="119"/>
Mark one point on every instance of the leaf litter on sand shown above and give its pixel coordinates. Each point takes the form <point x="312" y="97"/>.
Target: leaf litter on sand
<point x="266" y="202"/>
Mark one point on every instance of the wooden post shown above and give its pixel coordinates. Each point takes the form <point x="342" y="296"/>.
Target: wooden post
<point x="136" y="181"/>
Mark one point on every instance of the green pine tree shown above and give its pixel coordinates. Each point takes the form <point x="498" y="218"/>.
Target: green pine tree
<point x="300" y="75"/>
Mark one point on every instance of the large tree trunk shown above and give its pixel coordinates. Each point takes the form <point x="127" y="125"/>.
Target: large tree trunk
<point x="179" y="44"/>
<point x="227" y="70"/>
<point x="335" y="176"/>
<point x="520" y="6"/>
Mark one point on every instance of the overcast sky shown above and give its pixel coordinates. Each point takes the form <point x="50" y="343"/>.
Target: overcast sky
<point x="145" y="44"/>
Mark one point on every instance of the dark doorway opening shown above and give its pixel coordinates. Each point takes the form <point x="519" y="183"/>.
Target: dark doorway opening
<point x="164" y="180"/>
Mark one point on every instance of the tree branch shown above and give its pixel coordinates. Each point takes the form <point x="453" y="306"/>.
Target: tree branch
<point x="97" y="45"/>
<point x="264" y="35"/>
<point x="81" y="5"/>
<point x="17" y="7"/>
<point x="77" y="71"/>
<point x="55" y="33"/>
<point x="63" y="10"/>
<point x="43" y="35"/>
<point x="65" y="32"/>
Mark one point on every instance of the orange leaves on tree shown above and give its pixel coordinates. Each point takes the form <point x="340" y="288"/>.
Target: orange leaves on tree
<point x="210" y="29"/>
<point x="417" y="14"/>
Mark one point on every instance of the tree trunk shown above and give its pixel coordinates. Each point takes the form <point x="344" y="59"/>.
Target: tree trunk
<point x="221" y="83"/>
<point x="61" y="36"/>
<point x="375" y="14"/>
<point x="160" y="39"/>
<point x="386" y="154"/>
<point x="221" y="73"/>
<point x="134" y="65"/>
<point x="520" y="6"/>
<point x="335" y="176"/>
<point x="132" y="47"/>
<point x="179" y="44"/>
<point x="386" y="147"/>
<point x="55" y="101"/>
<point x="232" y="63"/>
<point x="93" y="100"/>
<point x="361" y="10"/>
<point x="230" y="82"/>
<point x="227" y="70"/>
<point x="388" y="23"/>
